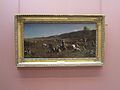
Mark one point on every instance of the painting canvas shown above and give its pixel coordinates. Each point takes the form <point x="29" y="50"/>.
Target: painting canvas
<point x="59" y="40"/>
<point x="51" y="40"/>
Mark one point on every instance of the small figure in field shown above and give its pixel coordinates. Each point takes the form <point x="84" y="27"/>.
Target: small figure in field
<point x="63" y="46"/>
<point x="75" y="48"/>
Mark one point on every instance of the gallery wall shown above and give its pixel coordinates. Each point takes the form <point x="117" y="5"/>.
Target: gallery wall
<point x="77" y="78"/>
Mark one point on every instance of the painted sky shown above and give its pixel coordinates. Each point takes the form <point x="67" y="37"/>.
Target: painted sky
<point x="32" y="30"/>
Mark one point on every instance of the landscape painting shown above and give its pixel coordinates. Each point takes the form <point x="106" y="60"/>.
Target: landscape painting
<point x="60" y="40"/>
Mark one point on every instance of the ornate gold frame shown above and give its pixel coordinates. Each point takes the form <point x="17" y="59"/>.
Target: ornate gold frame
<point x="37" y="62"/>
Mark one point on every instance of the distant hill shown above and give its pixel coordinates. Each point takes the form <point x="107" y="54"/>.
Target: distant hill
<point x="90" y="34"/>
<point x="79" y="34"/>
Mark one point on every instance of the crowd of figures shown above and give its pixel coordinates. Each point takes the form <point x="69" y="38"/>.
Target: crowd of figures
<point x="83" y="46"/>
<point x="55" y="49"/>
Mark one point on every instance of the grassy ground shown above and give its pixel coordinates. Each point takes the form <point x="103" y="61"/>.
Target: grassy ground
<point x="63" y="54"/>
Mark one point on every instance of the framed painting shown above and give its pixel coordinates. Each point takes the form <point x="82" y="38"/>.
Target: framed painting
<point x="59" y="40"/>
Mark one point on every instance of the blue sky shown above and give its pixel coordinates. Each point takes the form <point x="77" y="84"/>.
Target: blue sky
<point x="32" y="30"/>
